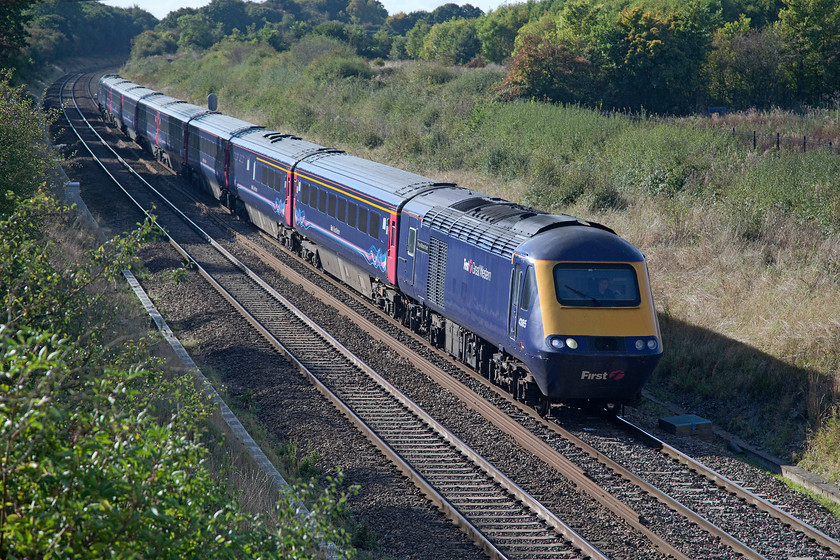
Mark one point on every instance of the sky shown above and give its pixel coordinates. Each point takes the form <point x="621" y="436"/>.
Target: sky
<point x="159" y="8"/>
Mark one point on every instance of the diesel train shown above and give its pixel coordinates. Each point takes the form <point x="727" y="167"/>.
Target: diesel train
<point x="550" y="307"/>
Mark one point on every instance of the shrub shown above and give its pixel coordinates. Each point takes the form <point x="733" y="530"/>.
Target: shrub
<point x="329" y="68"/>
<point x="26" y="159"/>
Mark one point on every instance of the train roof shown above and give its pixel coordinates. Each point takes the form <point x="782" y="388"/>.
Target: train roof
<point x="174" y="107"/>
<point x="276" y="145"/>
<point x="387" y="184"/>
<point x="582" y="242"/>
<point x="111" y="80"/>
<point x="132" y="90"/>
<point x="493" y="224"/>
<point x="223" y="126"/>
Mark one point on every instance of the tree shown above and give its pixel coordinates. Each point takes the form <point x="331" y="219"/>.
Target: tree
<point x="198" y="31"/>
<point x="498" y="29"/>
<point x="545" y="71"/>
<point x="353" y="35"/>
<point x="153" y="43"/>
<point x="742" y="69"/>
<point x="14" y="15"/>
<point x="656" y="57"/>
<point x="74" y="29"/>
<point x="452" y="11"/>
<point x="451" y="42"/>
<point x="414" y="39"/>
<point x="229" y="14"/>
<point x="401" y="23"/>
<point x="26" y="159"/>
<point x="810" y="30"/>
<point x="370" y="14"/>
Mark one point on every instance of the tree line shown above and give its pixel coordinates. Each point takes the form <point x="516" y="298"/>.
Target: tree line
<point x="660" y="56"/>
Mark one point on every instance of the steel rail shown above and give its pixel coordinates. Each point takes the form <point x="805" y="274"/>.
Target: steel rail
<point x="540" y="448"/>
<point x="461" y="521"/>
<point x="732" y="487"/>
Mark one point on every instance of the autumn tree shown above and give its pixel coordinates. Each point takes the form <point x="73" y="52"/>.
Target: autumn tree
<point x="542" y="70"/>
<point x="657" y="57"/>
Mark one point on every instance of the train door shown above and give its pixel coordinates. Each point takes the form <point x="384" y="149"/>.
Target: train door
<point x="289" y="211"/>
<point x="411" y="255"/>
<point x="392" y="249"/>
<point x="517" y="275"/>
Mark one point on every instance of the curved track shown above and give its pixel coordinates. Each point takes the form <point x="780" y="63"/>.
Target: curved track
<point x="503" y="519"/>
<point x="691" y="517"/>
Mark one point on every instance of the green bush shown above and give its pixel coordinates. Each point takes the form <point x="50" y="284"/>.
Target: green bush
<point x="26" y="157"/>
<point x="338" y="67"/>
<point x="93" y="465"/>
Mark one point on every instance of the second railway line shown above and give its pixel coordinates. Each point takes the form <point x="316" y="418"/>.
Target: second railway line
<point x="498" y="446"/>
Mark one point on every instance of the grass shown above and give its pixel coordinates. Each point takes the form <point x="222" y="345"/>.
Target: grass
<point x="830" y="505"/>
<point x="743" y="246"/>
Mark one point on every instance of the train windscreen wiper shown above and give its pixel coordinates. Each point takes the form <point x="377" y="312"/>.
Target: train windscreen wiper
<point x="583" y="295"/>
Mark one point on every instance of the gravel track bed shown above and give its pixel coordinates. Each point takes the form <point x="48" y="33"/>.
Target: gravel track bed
<point x="405" y="524"/>
<point x="599" y="528"/>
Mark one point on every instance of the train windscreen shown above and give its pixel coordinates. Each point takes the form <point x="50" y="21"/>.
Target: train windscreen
<point x="596" y="285"/>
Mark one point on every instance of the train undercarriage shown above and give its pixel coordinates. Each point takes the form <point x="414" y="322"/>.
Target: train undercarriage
<point x="463" y="345"/>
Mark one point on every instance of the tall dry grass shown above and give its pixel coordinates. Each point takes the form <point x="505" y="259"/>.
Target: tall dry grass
<point x="743" y="246"/>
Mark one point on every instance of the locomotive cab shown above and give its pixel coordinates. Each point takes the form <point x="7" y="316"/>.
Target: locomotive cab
<point x="591" y="329"/>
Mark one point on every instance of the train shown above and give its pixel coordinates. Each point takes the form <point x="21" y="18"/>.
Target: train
<point x="550" y="307"/>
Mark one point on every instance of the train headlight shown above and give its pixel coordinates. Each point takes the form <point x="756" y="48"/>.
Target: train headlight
<point x="571" y="343"/>
<point x="556" y="343"/>
<point x="652" y="344"/>
<point x="640" y="345"/>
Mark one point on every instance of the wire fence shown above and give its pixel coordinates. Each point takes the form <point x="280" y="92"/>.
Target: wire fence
<point x="766" y="142"/>
<point x="758" y="141"/>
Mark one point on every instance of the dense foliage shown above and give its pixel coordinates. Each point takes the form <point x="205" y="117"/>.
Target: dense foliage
<point x="56" y="30"/>
<point x="25" y="157"/>
<point x="660" y="56"/>
<point x="13" y="19"/>
<point x="101" y="450"/>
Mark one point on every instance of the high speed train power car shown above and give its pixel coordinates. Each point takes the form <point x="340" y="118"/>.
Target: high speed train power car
<point x="550" y="307"/>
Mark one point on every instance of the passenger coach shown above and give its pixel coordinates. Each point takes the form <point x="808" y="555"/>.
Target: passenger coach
<point x="550" y="307"/>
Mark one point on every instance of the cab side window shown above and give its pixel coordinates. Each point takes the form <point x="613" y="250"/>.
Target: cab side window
<point x="529" y="289"/>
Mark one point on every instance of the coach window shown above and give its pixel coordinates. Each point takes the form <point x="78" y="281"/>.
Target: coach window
<point x="363" y="219"/>
<point x="373" y="229"/>
<point x="331" y="205"/>
<point x="322" y="201"/>
<point x="265" y="176"/>
<point x="304" y="193"/>
<point x="351" y="215"/>
<point x="342" y="210"/>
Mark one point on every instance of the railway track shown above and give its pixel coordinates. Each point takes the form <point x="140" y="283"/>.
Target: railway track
<point x="503" y="519"/>
<point x="653" y="512"/>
